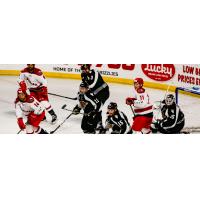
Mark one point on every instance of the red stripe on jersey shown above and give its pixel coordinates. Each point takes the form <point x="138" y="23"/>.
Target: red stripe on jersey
<point x="143" y="109"/>
<point x="48" y="108"/>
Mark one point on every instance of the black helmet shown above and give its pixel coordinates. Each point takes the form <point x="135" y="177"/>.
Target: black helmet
<point x="84" y="85"/>
<point x="85" y="66"/>
<point x="169" y="100"/>
<point x="112" y="105"/>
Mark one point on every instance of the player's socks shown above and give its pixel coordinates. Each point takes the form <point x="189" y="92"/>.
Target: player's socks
<point x="53" y="115"/>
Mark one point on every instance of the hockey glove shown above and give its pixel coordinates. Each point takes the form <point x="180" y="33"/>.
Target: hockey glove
<point x="23" y="86"/>
<point x="21" y="124"/>
<point x="130" y="101"/>
<point x="76" y="110"/>
<point x="40" y="89"/>
<point x="157" y="124"/>
<point x="83" y="104"/>
<point x="43" y="91"/>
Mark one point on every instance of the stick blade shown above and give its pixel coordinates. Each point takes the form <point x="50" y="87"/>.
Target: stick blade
<point x="52" y="132"/>
<point x="64" y="106"/>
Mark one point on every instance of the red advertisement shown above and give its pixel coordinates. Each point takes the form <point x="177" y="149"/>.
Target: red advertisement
<point x="129" y="67"/>
<point x="159" y="72"/>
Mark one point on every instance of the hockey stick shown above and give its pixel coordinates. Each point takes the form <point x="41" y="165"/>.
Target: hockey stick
<point x="61" y="123"/>
<point x="191" y="129"/>
<point x="167" y="91"/>
<point x="132" y="110"/>
<point x="75" y="98"/>
<point x="64" y="108"/>
<point x="19" y="131"/>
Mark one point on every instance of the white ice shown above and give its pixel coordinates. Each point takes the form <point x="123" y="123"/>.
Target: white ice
<point x="68" y="87"/>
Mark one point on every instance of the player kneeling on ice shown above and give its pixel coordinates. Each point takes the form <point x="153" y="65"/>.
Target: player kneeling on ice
<point x="36" y="82"/>
<point x="173" y="120"/>
<point x="91" y="107"/>
<point x="28" y="106"/>
<point x="117" y="120"/>
<point x="142" y="108"/>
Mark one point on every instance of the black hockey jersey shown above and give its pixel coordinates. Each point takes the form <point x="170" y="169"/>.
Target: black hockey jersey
<point x="92" y="102"/>
<point x="118" y="122"/>
<point x="172" y="117"/>
<point x="94" y="80"/>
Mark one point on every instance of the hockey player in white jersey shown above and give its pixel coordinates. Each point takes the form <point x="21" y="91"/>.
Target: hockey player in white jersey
<point x="33" y="79"/>
<point x="28" y="107"/>
<point x="142" y="108"/>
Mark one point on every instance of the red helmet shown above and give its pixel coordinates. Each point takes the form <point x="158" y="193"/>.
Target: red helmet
<point x="19" y="97"/>
<point x="139" y="80"/>
<point x="19" y="91"/>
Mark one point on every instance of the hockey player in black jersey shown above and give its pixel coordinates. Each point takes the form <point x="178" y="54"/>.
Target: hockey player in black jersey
<point x="97" y="85"/>
<point x="91" y="107"/>
<point x="173" y="119"/>
<point x="117" y="120"/>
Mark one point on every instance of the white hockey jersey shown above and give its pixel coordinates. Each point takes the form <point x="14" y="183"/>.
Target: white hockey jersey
<point x="33" y="80"/>
<point x="142" y="104"/>
<point x="25" y="108"/>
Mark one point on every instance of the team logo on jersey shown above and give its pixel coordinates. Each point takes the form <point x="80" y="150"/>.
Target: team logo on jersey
<point x="159" y="72"/>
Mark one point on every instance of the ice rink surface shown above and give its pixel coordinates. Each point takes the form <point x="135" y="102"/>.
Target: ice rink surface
<point x="68" y="87"/>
